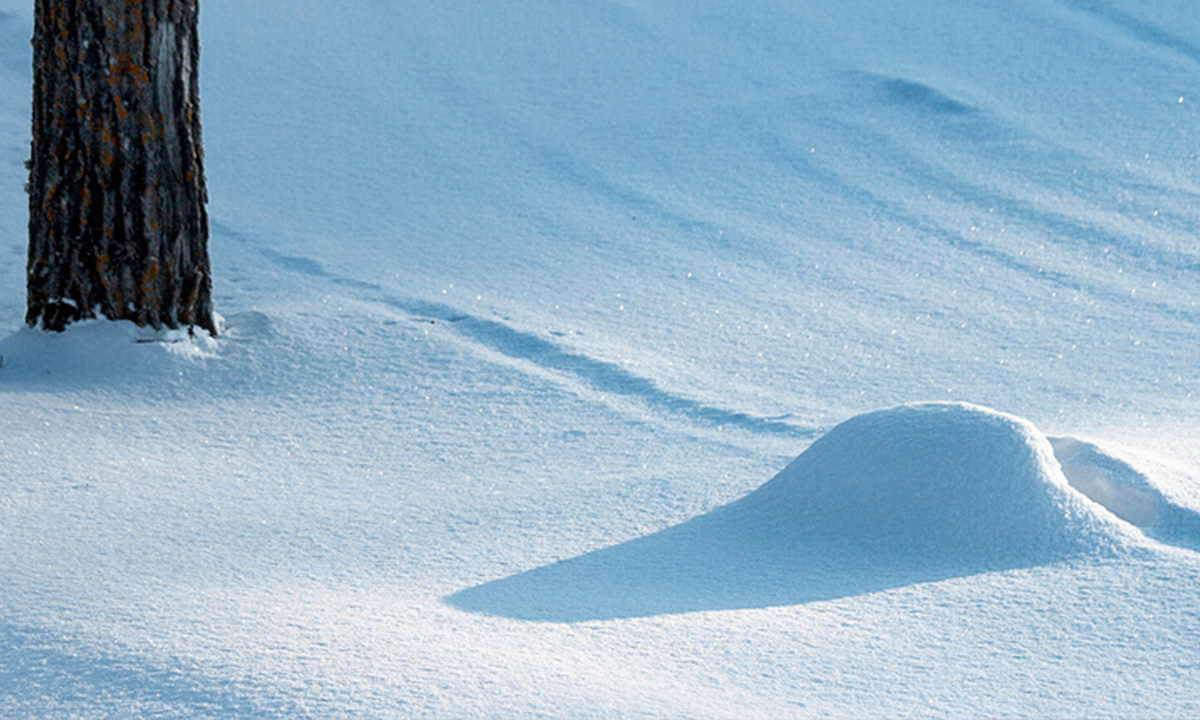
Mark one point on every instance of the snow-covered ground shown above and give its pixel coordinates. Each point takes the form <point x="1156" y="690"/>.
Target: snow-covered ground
<point x="558" y="334"/>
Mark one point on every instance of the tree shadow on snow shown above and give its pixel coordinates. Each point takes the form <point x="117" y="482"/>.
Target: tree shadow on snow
<point x="713" y="562"/>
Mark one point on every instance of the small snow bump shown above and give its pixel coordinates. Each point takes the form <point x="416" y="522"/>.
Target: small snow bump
<point x="936" y="481"/>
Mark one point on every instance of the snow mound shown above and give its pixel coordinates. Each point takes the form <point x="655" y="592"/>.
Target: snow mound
<point x="914" y="494"/>
<point x="935" y="481"/>
<point x="1127" y="492"/>
<point x="1110" y="481"/>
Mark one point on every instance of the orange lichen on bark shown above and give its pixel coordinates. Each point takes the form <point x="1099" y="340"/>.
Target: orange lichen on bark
<point x="108" y="153"/>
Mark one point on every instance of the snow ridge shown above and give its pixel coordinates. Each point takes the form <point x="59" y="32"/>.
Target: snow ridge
<point x="498" y="336"/>
<point x="1126" y="492"/>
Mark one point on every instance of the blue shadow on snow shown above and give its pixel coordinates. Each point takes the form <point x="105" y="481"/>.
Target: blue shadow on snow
<point x="718" y="561"/>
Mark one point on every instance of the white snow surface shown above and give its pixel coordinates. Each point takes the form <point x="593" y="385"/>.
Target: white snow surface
<point x="557" y="340"/>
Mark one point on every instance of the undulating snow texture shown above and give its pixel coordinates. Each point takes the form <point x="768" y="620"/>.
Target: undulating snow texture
<point x="613" y="359"/>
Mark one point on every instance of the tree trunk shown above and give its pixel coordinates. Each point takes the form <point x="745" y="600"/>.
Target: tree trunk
<point x="117" y="225"/>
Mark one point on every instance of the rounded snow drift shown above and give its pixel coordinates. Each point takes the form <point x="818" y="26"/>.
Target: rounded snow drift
<point x="913" y="494"/>
<point x="935" y="481"/>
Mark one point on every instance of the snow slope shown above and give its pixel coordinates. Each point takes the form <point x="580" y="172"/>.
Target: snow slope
<point x="527" y="302"/>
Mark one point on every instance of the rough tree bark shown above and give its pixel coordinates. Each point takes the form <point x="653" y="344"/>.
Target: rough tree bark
<point x="117" y="224"/>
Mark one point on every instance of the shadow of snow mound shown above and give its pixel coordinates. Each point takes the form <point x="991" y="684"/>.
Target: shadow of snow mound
<point x="912" y="494"/>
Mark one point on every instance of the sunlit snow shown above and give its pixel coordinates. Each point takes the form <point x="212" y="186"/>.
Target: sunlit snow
<point x="646" y="359"/>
